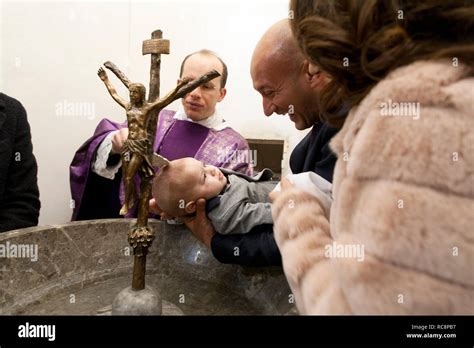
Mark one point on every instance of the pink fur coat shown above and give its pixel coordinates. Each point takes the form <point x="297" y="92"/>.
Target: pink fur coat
<point x="400" y="237"/>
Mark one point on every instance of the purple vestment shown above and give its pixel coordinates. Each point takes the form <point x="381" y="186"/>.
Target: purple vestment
<point x="174" y="139"/>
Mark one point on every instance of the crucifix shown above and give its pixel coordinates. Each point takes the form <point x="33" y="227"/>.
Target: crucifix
<point x="137" y="152"/>
<point x="156" y="46"/>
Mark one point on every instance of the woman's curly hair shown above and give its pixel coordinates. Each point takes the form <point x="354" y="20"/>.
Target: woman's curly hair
<point x="358" y="42"/>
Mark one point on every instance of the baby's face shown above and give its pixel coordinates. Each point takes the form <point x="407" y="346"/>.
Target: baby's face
<point x="204" y="180"/>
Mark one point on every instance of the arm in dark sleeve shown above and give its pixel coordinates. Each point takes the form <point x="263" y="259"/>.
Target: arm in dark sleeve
<point x="20" y="206"/>
<point x="94" y="197"/>
<point x="101" y="198"/>
<point x="256" y="248"/>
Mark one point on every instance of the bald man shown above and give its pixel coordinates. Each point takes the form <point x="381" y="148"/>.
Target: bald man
<point x="288" y="86"/>
<point x="280" y="74"/>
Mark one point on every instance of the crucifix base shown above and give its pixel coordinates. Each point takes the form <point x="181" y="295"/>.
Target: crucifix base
<point x="137" y="302"/>
<point x="138" y="299"/>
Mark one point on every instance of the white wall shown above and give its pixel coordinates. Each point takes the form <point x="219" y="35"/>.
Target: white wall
<point x="50" y="53"/>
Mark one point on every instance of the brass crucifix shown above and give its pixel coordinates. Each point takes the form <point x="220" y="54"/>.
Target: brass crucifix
<point x="137" y="152"/>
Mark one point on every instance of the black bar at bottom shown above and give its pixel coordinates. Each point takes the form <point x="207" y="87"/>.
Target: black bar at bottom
<point x="413" y="330"/>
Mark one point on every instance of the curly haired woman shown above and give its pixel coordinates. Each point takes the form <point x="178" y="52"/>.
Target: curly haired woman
<point x="403" y="185"/>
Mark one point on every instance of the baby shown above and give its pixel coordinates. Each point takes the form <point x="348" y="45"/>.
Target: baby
<point x="235" y="203"/>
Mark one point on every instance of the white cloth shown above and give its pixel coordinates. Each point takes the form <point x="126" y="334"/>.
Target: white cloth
<point x="313" y="184"/>
<point x="215" y="121"/>
<point x="99" y="166"/>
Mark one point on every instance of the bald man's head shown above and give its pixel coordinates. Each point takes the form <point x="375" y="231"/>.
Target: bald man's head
<point x="280" y="74"/>
<point x="278" y="48"/>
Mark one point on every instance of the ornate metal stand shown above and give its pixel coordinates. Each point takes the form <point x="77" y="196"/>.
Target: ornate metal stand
<point x="142" y="117"/>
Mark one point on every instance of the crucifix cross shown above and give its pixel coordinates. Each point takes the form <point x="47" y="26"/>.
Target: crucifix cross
<point x="156" y="46"/>
<point x="137" y="151"/>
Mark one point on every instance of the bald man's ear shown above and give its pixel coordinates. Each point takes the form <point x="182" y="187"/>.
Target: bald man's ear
<point x="315" y="77"/>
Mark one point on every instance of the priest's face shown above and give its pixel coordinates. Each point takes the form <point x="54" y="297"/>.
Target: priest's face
<point x="285" y="88"/>
<point x="201" y="103"/>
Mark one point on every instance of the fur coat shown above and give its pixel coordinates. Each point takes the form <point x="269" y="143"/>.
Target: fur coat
<point x="403" y="194"/>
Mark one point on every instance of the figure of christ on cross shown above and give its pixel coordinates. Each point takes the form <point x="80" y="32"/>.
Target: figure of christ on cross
<point x="137" y="152"/>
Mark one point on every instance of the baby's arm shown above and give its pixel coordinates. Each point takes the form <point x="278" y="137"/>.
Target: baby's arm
<point x="241" y="217"/>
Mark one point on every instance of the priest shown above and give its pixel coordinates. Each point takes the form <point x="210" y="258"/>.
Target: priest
<point x="196" y="130"/>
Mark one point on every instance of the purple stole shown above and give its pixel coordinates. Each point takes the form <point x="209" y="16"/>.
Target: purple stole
<point x="182" y="139"/>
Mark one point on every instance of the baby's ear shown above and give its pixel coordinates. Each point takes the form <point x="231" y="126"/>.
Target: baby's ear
<point x="190" y="207"/>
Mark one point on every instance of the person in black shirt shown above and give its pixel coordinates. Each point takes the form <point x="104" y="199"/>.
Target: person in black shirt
<point x="19" y="195"/>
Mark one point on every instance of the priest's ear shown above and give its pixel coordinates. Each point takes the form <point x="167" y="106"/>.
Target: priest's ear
<point x="190" y="207"/>
<point x="222" y="94"/>
<point x="315" y="77"/>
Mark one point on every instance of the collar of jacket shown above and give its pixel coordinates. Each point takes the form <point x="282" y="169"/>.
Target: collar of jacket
<point x="265" y="175"/>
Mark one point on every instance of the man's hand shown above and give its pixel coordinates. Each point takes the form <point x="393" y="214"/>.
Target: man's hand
<point x="200" y="226"/>
<point x="118" y="139"/>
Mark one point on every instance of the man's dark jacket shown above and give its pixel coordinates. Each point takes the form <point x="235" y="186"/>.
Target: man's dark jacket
<point x="19" y="195"/>
<point x="258" y="247"/>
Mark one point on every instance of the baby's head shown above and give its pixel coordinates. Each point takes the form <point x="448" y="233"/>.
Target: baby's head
<point x="180" y="184"/>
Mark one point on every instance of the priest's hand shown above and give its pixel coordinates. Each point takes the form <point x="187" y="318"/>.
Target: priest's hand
<point x="200" y="225"/>
<point x="118" y="139"/>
